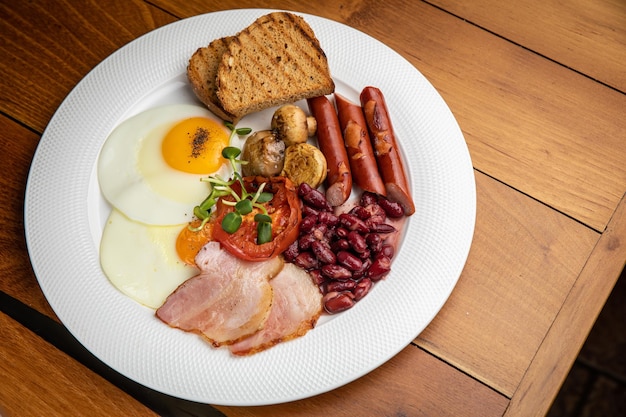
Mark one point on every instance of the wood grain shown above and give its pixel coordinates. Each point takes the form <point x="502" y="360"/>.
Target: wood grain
<point x="587" y="36"/>
<point x="49" y="47"/>
<point x="18" y="280"/>
<point x="574" y="321"/>
<point x="46" y="382"/>
<point x="412" y="383"/>
<point x="517" y="276"/>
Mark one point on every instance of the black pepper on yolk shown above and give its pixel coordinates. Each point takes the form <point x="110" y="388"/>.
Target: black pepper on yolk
<point x="195" y="145"/>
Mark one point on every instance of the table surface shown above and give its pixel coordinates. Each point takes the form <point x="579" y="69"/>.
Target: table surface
<point x="539" y="91"/>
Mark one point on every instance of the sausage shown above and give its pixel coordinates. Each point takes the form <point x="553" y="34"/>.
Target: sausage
<point x="386" y="149"/>
<point x="359" y="146"/>
<point x="330" y="142"/>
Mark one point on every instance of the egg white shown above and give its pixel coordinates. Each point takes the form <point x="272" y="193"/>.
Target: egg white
<point x="134" y="177"/>
<point x="141" y="260"/>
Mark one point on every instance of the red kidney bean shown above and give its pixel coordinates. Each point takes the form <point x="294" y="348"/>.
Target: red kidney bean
<point x="379" y="268"/>
<point x="339" y="245"/>
<point x="328" y="218"/>
<point x="352" y="222"/>
<point x="291" y="252"/>
<point x="392" y="208"/>
<point x="362" y="288"/>
<point x="334" y="271"/>
<point x="360" y="212"/>
<point x="363" y="270"/>
<point x="304" y="189"/>
<point x="341" y="232"/>
<point x="322" y="252"/>
<point x="387" y="250"/>
<point x="308" y="223"/>
<point x="317" y="277"/>
<point x="319" y="231"/>
<point x="335" y="302"/>
<point x="306" y="260"/>
<point x="351" y="262"/>
<point x="366" y="254"/>
<point x="382" y="228"/>
<point x="316" y="199"/>
<point x="305" y="242"/>
<point x="357" y="242"/>
<point x="368" y="198"/>
<point x="309" y="211"/>
<point x="336" y="286"/>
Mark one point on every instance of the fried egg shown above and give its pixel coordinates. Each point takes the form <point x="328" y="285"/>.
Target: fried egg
<point x="141" y="260"/>
<point x="151" y="164"/>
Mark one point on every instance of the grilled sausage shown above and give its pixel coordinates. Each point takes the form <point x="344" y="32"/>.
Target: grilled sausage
<point x="358" y="146"/>
<point x="330" y="142"/>
<point x="386" y="149"/>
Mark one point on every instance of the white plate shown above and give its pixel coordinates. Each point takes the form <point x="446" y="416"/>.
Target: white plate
<point x="64" y="213"/>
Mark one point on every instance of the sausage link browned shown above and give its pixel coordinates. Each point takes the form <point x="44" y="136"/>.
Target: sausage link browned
<point x="330" y="141"/>
<point x="359" y="146"/>
<point x="386" y="149"/>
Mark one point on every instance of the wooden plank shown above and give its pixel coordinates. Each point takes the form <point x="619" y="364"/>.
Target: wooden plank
<point x="574" y="321"/>
<point x="413" y="382"/>
<point x="587" y="36"/>
<point x="47" y="382"/>
<point x="522" y="264"/>
<point x="48" y="48"/>
<point x="17" y="146"/>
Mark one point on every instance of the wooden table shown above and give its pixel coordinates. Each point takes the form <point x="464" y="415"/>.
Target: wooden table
<point x="539" y="91"/>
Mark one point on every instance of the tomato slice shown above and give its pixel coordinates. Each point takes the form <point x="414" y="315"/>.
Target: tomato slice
<point x="284" y="209"/>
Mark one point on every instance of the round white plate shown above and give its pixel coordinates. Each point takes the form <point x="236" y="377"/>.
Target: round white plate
<point x="64" y="215"/>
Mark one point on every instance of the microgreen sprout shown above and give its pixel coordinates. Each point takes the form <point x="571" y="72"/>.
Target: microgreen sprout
<point x="243" y="204"/>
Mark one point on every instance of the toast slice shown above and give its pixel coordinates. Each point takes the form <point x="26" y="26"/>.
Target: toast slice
<point x="202" y="74"/>
<point x="274" y="61"/>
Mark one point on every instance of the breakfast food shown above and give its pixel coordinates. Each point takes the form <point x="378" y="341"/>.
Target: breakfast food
<point x="230" y="299"/>
<point x="330" y="140"/>
<point x="386" y="149"/>
<point x="276" y="60"/>
<point x="304" y="163"/>
<point x="202" y="73"/>
<point x="296" y="307"/>
<point x="358" y="146"/>
<point x="146" y="164"/>
<point x="141" y="260"/>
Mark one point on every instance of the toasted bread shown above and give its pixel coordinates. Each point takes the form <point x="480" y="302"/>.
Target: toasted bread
<point x="202" y="74"/>
<point x="275" y="60"/>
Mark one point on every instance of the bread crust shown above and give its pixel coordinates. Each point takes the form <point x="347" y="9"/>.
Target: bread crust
<point x="202" y="75"/>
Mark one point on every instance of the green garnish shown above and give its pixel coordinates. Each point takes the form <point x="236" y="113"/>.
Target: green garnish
<point x="243" y="204"/>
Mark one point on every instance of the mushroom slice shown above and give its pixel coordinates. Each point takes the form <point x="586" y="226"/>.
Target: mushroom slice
<point x="305" y="163"/>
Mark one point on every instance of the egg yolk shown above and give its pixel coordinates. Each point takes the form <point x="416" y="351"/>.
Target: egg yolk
<point x="195" y="145"/>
